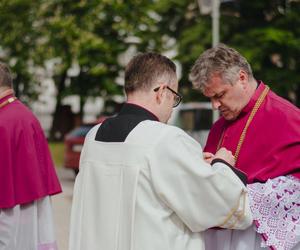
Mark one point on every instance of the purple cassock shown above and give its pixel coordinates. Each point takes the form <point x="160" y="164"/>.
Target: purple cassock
<point x="270" y="156"/>
<point x="27" y="172"/>
<point x="272" y="143"/>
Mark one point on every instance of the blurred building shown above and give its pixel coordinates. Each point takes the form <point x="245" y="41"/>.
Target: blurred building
<point x="44" y="108"/>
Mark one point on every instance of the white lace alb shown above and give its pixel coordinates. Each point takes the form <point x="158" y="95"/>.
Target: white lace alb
<point x="275" y="206"/>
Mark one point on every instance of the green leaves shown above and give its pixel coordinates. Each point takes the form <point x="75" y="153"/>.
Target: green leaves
<point x="94" y="34"/>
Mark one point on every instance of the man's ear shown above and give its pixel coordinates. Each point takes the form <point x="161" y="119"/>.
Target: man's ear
<point x="160" y="94"/>
<point x="243" y="78"/>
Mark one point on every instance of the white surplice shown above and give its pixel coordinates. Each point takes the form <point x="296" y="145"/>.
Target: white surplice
<point x="28" y="227"/>
<point x="153" y="191"/>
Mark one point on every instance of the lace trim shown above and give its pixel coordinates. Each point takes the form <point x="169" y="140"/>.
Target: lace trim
<point x="48" y="246"/>
<point x="275" y="206"/>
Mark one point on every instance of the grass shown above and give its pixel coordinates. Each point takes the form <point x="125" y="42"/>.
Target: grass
<point x="57" y="152"/>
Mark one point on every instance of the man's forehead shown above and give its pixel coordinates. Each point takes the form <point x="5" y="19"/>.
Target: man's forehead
<point x="209" y="92"/>
<point x="213" y="89"/>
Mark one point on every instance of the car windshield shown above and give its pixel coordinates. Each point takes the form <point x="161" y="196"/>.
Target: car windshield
<point x="81" y="131"/>
<point x="195" y="119"/>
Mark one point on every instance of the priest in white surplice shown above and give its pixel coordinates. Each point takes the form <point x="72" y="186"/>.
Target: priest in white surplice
<point x="142" y="184"/>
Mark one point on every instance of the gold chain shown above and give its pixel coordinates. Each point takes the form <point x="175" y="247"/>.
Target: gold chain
<point x="243" y="135"/>
<point x="9" y="100"/>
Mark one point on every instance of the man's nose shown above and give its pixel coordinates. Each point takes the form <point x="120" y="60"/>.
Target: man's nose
<point x="215" y="104"/>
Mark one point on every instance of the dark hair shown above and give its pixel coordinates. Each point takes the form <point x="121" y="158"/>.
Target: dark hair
<point x="146" y="69"/>
<point x="5" y="76"/>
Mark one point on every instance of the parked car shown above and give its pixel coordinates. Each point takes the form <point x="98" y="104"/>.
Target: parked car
<point x="195" y="118"/>
<point x="73" y="144"/>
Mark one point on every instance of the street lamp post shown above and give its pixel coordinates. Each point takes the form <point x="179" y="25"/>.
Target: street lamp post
<point x="212" y="7"/>
<point x="215" y="22"/>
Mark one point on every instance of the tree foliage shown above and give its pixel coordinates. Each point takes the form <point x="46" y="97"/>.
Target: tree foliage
<point x="18" y="42"/>
<point x="265" y="32"/>
<point x="89" y="37"/>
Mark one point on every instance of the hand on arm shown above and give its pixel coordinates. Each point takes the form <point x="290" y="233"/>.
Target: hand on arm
<point x="225" y="155"/>
<point x="186" y="180"/>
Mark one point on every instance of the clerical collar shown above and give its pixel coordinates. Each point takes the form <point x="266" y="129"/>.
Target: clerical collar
<point x="117" y="128"/>
<point x="134" y="109"/>
<point x="260" y="88"/>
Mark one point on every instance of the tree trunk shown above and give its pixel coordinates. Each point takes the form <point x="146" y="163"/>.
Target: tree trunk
<point x="81" y="95"/>
<point x="54" y="132"/>
<point x="17" y="82"/>
<point x="81" y="111"/>
<point x="298" y="96"/>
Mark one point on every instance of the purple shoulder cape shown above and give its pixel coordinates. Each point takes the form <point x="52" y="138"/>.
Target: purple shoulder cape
<point x="27" y="172"/>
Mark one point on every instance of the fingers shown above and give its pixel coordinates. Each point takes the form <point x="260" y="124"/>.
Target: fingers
<point x="226" y="155"/>
<point x="208" y="157"/>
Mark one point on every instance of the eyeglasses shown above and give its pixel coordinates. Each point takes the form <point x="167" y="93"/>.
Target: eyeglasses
<point x="177" y="96"/>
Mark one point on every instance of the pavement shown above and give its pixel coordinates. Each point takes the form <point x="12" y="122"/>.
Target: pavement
<point x="62" y="207"/>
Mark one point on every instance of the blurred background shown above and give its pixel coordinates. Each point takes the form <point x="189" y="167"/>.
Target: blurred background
<point x="68" y="58"/>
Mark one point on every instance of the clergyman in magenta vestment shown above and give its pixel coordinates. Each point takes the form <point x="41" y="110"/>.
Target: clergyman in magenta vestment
<point x="272" y="144"/>
<point x="270" y="157"/>
<point x="27" y="172"/>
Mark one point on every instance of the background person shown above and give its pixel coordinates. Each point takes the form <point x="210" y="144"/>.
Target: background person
<point x="27" y="176"/>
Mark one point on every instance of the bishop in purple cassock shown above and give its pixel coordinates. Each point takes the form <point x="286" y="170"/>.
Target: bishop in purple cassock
<point x="262" y="130"/>
<point x="27" y="175"/>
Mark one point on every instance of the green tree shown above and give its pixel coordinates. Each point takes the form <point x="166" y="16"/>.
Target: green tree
<point x="18" y="43"/>
<point x="90" y="35"/>
<point x="266" y="32"/>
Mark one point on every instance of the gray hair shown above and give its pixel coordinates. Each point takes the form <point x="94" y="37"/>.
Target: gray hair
<point x="5" y="76"/>
<point x="220" y="60"/>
